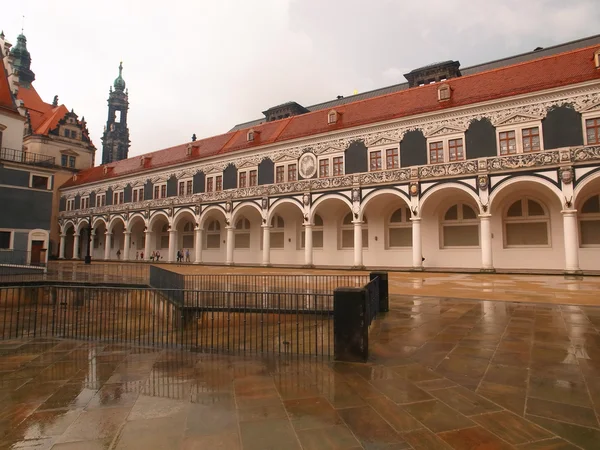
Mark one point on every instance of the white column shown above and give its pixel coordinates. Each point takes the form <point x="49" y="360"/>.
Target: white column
<point x="417" y="248"/>
<point x="229" y="241"/>
<point x="172" y="242"/>
<point x="148" y="235"/>
<point x="107" y="245"/>
<point x="358" y="250"/>
<point x="571" y="241"/>
<point x="61" y="251"/>
<point x="198" y="245"/>
<point x="487" y="263"/>
<point x="76" y="246"/>
<point x="126" y="245"/>
<point x="308" y="245"/>
<point x="266" y="254"/>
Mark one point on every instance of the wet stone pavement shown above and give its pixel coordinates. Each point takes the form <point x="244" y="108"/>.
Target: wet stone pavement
<point x="443" y="374"/>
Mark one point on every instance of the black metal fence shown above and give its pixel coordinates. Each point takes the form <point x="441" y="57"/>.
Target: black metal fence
<point x="208" y="321"/>
<point x="11" y="154"/>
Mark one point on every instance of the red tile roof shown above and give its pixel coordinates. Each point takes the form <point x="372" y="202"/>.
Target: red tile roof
<point x="44" y="117"/>
<point x="549" y="72"/>
<point x="7" y="102"/>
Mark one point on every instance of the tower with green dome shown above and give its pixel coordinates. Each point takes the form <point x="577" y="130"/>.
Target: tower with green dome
<point x="115" y="140"/>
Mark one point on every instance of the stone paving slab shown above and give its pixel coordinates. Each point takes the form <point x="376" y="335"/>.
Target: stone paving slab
<point x="443" y="373"/>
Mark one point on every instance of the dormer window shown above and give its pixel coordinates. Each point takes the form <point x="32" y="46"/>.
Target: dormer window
<point x="250" y="135"/>
<point x="597" y="58"/>
<point x="189" y="150"/>
<point x="142" y="161"/>
<point x="444" y="93"/>
<point x="332" y="117"/>
<point x="105" y="170"/>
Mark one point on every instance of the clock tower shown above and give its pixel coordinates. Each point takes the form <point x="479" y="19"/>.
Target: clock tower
<point x="115" y="140"/>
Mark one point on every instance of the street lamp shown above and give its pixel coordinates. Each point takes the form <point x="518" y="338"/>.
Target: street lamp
<point x="88" y="256"/>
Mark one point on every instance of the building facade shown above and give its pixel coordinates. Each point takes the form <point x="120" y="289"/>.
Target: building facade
<point x="26" y="184"/>
<point x="115" y="140"/>
<point x="495" y="166"/>
<point x="52" y="133"/>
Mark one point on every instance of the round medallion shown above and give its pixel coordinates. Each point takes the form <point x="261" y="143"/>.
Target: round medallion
<point x="308" y="165"/>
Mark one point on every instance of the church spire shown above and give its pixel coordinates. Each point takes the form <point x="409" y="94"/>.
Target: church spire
<point x="119" y="83"/>
<point x="22" y="62"/>
<point x="115" y="140"/>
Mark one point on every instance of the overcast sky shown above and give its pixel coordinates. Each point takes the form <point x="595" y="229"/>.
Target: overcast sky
<point x="203" y="66"/>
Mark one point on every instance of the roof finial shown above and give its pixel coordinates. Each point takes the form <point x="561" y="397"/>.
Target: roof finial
<point x="23" y="24"/>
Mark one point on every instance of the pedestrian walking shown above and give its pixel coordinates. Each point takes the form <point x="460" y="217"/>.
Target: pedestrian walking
<point x="187" y="255"/>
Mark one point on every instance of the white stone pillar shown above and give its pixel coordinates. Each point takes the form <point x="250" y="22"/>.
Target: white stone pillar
<point x="198" y="245"/>
<point x="76" y="246"/>
<point x="107" y="237"/>
<point x="126" y="245"/>
<point x="485" y="225"/>
<point x="61" y="251"/>
<point x="417" y="249"/>
<point x="571" y="238"/>
<point x="148" y="238"/>
<point x="172" y="245"/>
<point x="358" y="248"/>
<point x="308" y="245"/>
<point x="266" y="254"/>
<point x="229" y="243"/>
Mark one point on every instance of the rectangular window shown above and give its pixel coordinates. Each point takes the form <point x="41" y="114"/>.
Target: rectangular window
<point x="5" y="238"/>
<point x="592" y="130"/>
<point x="138" y="194"/>
<point x="85" y="202"/>
<point x="209" y="184"/>
<point x="160" y="190"/>
<point x="279" y="174"/>
<point x="64" y="160"/>
<point x="375" y="161"/>
<point x="292" y="172"/>
<point x="392" y="160"/>
<point x="70" y="204"/>
<point x="100" y="200"/>
<point x="219" y="183"/>
<point x="156" y="191"/>
<point x="118" y="198"/>
<point x="455" y="150"/>
<point x="163" y="191"/>
<point x="134" y="196"/>
<point x="72" y="162"/>
<point x="508" y="143"/>
<point x="67" y="133"/>
<point x="338" y="166"/>
<point x="181" y="190"/>
<point x="436" y="152"/>
<point x="323" y="168"/>
<point x="39" y="182"/>
<point x="189" y="187"/>
<point x="531" y="139"/>
<point x="253" y="178"/>
<point x="242" y="180"/>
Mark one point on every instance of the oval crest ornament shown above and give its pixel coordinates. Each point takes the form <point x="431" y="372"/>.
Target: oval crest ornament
<point x="308" y="165"/>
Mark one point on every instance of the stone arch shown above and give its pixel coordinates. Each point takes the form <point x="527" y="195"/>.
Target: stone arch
<point x="183" y="213"/>
<point x="327" y="197"/>
<point x="584" y="187"/>
<point x="241" y="206"/>
<point x="113" y="221"/>
<point x="154" y="217"/>
<point x="98" y="220"/>
<point x="538" y="182"/>
<point x="447" y="186"/>
<point x="133" y="219"/>
<point x="65" y="226"/>
<point x="80" y="225"/>
<point x="208" y="212"/>
<point x="377" y="193"/>
<point x="281" y="201"/>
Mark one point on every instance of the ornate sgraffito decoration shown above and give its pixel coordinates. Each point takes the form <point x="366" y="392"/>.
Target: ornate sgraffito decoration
<point x="586" y="153"/>
<point x="522" y="161"/>
<point x="308" y="165"/>
<point x="414" y="189"/>
<point x="228" y="206"/>
<point x="265" y="203"/>
<point x="451" y="169"/>
<point x="306" y="199"/>
<point x="566" y="175"/>
<point x="482" y="182"/>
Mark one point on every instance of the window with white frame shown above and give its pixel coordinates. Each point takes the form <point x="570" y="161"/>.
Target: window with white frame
<point x="400" y="229"/>
<point x="247" y="177"/>
<point x="347" y="232"/>
<point x="85" y="202"/>
<point x="332" y="116"/>
<point x="214" y="183"/>
<point x="70" y="204"/>
<point x="185" y="187"/>
<point x="277" y="238"/>
<point x="592" y="129"/>
<point x="589" y="222"/>
<point x="160" y="190"/>
<point x="286" y="172"/>
<point x="100" y="199"/>
<point x="39" y="181"/>
<point x="6" y="239"/>
<point x="460" y="227"/>
<point x="137" y="194"/>
<point x="384" y="158"/>
<point x="331" y="165"/>
<point x="526" y="224"/>
<point x="242" y="233"/>
<point x="446" y="149"/>
<point x="118" y="197"/>
<point x="523" y="138"/>
<point x="213" y="235"/>
<point x="317" y="233"/>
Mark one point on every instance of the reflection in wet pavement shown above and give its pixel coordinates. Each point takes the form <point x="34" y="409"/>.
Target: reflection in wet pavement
<point x="444" y="373"/>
